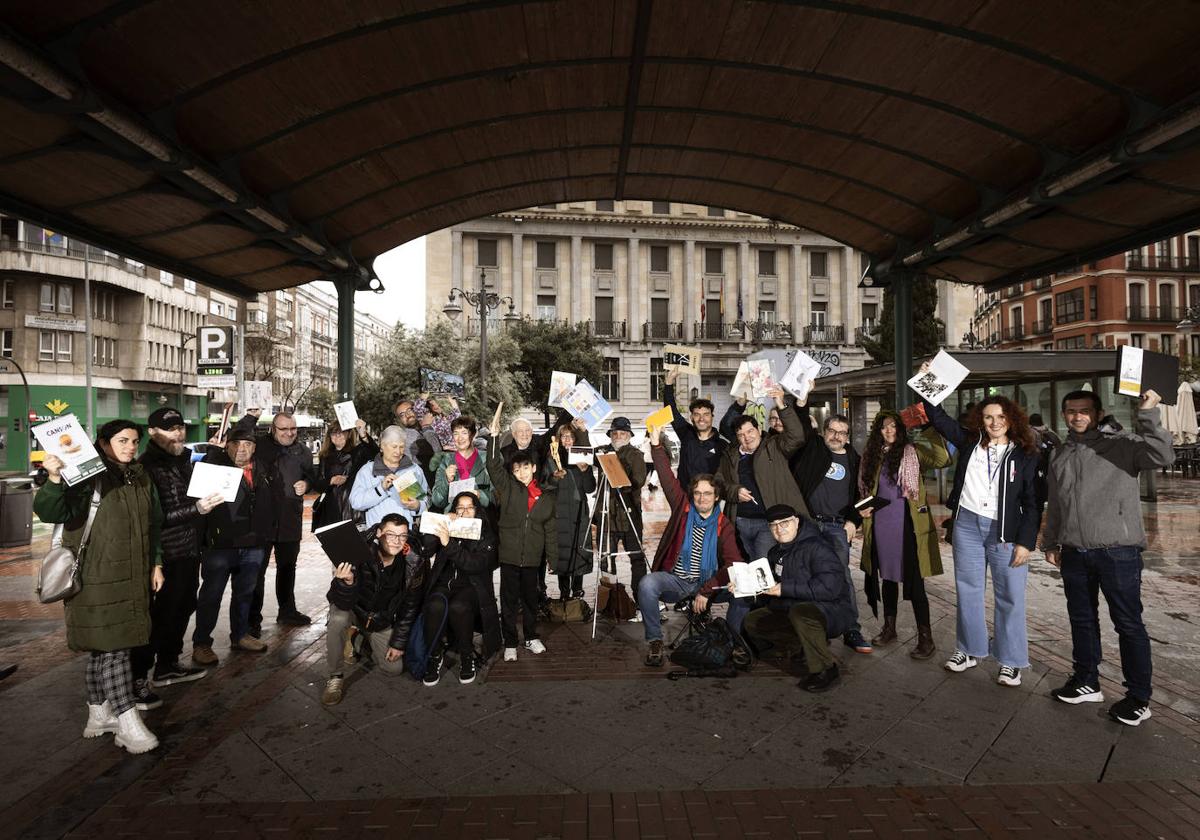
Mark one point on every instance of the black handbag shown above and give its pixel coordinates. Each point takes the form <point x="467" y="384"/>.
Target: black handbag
<point x="708" y="652"/>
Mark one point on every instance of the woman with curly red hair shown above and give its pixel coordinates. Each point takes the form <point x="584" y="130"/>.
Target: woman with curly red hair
<point x="900" y="540"/>
<point x="996" y="512"/>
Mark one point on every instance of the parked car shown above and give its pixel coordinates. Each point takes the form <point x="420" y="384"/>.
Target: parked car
<point x="198" y="450"/>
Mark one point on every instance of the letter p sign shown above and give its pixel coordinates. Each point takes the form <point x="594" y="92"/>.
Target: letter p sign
<point x="215" y="346"/>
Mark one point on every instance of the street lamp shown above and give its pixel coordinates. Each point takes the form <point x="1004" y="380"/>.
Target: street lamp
<point x="1191" y="319"/>
<point x="482" y="302"/>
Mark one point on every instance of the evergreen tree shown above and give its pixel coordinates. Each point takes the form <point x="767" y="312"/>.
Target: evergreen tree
<point x="927" y="327"/>
<point x="547" y="346"/>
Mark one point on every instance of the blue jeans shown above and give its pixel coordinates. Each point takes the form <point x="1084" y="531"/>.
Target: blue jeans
<point x="1117" y="572"/>
<point x="977" y="548"/>
<point x="836" y="534"/>
<point x="217" y="567"/>
<point x="669" y="589"/>
<point x="755" y="535"/>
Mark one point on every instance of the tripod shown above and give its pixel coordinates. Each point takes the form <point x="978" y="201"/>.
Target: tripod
<point x="603" y="533"/>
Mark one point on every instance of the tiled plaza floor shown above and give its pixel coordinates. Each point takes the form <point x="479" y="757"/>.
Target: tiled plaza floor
<point x="586" y="742"/>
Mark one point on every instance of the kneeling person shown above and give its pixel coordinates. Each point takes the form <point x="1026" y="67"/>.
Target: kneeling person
<point x="810" y="600"/>
<point x="381" y="600"/>
<point x="695" y="552"/>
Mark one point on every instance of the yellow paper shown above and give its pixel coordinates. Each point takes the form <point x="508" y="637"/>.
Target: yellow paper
<point x="660" y="418"/>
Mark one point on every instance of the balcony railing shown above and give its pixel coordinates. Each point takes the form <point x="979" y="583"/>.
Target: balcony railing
<point x="606" y="329"/>
<point x="726" y="331"/>
<point x="865" y="333"/>
<point x="493" y="324"/>
<point x="1014" y="333"/>
<point x="1139" y="262"/>
<point x="77" y="250"/>
<point x="825" y="334"/>
<point x="662" y="331"/>
<point x="1158" y="314"/>
<point x="1014" y="290"/>
<point x="1041" y="283"/>
<point x="1043" y="327"/>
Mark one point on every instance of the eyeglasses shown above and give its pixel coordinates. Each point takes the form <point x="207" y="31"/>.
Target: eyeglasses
<point x="461" y="510"/>
<point x="396" y="537"/>
<point x="838" y="432"/>
<point x="780" y="524"/>
<point x="704" y="492"/>
<point x="285" y="428"/>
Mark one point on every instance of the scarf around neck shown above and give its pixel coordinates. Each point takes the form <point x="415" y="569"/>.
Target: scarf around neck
<point x="708" y="554"/>
<point x="908" y="476"/>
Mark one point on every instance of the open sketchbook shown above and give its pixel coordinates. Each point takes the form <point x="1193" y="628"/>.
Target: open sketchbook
<point x="749" y="579"/>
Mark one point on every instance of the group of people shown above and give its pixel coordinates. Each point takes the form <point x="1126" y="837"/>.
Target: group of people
<point x="151" y="555"/>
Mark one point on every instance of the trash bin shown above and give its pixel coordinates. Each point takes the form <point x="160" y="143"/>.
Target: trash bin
<point x="16" y="512"/>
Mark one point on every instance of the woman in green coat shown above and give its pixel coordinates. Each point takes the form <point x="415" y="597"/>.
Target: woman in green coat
<point x="120" y="564"/>
<point x="900" y="540"/>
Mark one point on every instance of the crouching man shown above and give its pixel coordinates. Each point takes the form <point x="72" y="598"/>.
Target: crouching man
<point x="810" y="600"/>
<point x="694" y="554"/>
<point x="380" y="600"/>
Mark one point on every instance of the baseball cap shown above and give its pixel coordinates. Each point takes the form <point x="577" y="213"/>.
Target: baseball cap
<point x="165" y="418"/>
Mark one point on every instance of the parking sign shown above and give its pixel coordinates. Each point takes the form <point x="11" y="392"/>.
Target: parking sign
<point x="215" y="353"/>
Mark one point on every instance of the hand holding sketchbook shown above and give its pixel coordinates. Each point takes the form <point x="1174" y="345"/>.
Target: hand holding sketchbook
<point x="343" y="543"/>
<point x="408" y="486"/>
<point x="944" y="375"/>
<point x="1139" y="371"/>
<point x="747" y="580"/>
<point x="64" y="438"/>
<point x="347" y="415"/>
<point x="213" y="478"/>
<point x="466" y="528"/>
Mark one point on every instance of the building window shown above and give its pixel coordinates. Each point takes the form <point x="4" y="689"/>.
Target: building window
<point x="1166" y="301"/>
<point x="46" y="301"/>
<point x="107" y="402"/>
<point x="166" y="278"/>
<point x="605" y="205"/>
<point x="547" y="255"/>
<point x="602" y="256"/>
<point x="1093" y="303"/>
<point x="1162" y="251"/>
<point x="817" y="316"/>
<point x="870" y="311"/>
<point x="189" y="286"/>
<point x="610" y="381"/>
<point x="66" y="298"/>
<point x="818" y="264"/>
<point x="604" y="316"/>
<point x="546" y="308"/>
<point x="547" y="206"/>
<point x="1077" y="342"/>
<point x="6" y="343"/>
<point x="1068" y="306"/>
<point x="716" y="212"/>
<point x="65" y="342"/>
<point x="766" y="262"/>
<point x="660" y="258"/>
<point x="714" y="260"/>
<point x="46" y="345"/>
<point x="1195" y="342"/>
<point x="1137" y="340"/>
<point x="485" y="253"/>
<point x="1166" y="344"/>
<point x="766" y="311"/>
<point x="658" y="379"/>
<point x="10" y="294"/>
<point x="660" y="208"/>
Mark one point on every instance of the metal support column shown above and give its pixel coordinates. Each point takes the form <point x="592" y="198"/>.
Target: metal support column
<point x="902" y="315"/>
<point x="345" y="341"/>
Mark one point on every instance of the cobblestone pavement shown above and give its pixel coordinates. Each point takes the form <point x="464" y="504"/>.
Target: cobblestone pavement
<point x="584" y="741"/>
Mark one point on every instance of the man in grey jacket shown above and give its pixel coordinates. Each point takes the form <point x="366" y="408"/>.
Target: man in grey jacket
<point x="1094" y="534"/>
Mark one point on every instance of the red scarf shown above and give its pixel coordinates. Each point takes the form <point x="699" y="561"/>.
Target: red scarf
<point x="465" y="465"/>
<point x="535" y="493"/>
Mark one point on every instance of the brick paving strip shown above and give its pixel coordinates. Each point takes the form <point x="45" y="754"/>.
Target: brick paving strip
<point x="1168" y="810"/>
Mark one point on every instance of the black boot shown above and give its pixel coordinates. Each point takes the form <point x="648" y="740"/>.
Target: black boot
<point x="925" y="646"/>
<point x="888" y="634"/>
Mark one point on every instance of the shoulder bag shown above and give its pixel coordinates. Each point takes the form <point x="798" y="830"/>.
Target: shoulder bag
<point x="59" y="577"/>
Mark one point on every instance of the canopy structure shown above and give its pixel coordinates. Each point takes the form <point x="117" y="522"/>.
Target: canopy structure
<point x="255" y="146"/>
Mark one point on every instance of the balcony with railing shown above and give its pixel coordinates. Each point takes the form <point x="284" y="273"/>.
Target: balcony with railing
<point x="76" y="250"/>
<point x="725" y="331"/>
<point x="493" y="324"/>
<point x="1181" y="263"/>
<point x="1044" y="327"/>
<point x="662" y="331"/>
<point x="606" y="329"/>
<point x="1154" y="314"/>
<point x="825" y="334"/>
<point x="1015" y="333"/>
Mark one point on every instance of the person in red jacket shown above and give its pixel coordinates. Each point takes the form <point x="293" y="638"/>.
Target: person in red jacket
<point x="694" y="554"/>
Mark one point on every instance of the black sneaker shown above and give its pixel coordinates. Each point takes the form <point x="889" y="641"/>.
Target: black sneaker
<point x="143" y="697"/>
<point x="433" y="670"/>
<point x="1078" y="691"/>
<point x="1130" y="711"/>
<point x="293" y="618"/>
<point x="176" y="672"/>
<point x="822" y="681"/>
<point x="467" y="669"/>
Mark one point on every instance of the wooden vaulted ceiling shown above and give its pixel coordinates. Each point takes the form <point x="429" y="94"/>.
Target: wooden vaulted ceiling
<point x="262" y="145"/>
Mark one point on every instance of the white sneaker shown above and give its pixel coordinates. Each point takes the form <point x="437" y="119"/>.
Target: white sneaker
<point x="132" y="733"/>
<point x="1009" y="675"/>
<point x="534" y="646"/>
<point x="960" y="662"/>
<point x="100" y="720"/>
<point x="637" y="617"/>
<point x="510" y="654"/>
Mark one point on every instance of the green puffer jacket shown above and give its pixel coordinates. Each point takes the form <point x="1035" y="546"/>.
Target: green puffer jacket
<point x="112" y="610"/>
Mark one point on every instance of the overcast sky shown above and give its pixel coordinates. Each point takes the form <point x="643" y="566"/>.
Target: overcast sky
<point x="402" y="271"/>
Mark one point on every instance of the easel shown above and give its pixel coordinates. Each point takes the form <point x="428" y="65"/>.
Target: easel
<point x="612" y="476"/>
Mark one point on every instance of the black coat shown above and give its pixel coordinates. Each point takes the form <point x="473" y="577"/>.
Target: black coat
<point x="365" y="597"/>
<point x="474" y="560"/>
<point x="696" y="456"/>
<point x="813" y="574"/>
<point x="333" y="503"/>
<point x="573" y="523"/>
<point x="287" y="465"/>
<point x="183" y="525"/>
<point x="249" y="520"/>
<point x="811" y="463"/>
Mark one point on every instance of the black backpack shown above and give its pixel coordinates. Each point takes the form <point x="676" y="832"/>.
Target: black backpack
<point x="707" y="653"/>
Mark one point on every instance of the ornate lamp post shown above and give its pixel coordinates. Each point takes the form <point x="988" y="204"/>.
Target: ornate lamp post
<point x="482" y="302"/>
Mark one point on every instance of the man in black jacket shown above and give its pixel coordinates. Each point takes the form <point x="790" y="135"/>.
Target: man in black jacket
<point x="292" y="474"/>
<point x="237" y="532"/>
<point x="380" y="600"/>
<point x="826" y="470"/>
<point x="168" y="463"/>
<point x="700" y="447"/>
<point x="809" y="601"/>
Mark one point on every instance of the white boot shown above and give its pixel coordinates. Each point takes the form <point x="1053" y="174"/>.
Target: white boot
<point x="100" y="720"/>
<point x="132" y="734"/>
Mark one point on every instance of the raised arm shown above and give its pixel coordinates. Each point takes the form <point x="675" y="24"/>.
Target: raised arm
<point x="736" y="409"/>
<point x="1152" y="443"/>
<point x="947" y="426"/>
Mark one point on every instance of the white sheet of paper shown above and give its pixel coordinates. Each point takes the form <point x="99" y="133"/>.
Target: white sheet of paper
<point x="800" y="375"/>
<point x="586" y="403"/>
<point x="945" y="374"/>
<point x="257" y="394"/>
<point x="561" y="384"/>
<point x="466" y="485"/>
<point x="65" y="438"/>
<point x="741" y="382"/>
<point x="214" y="478"/>
<point x="1129" y="378"/>
<point x="580" y="455"/>
<point x="750" y="579"/>
<point x="347" y="415"/>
